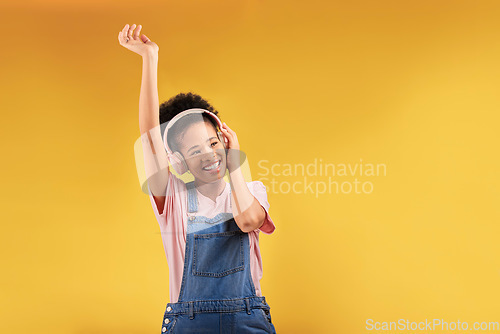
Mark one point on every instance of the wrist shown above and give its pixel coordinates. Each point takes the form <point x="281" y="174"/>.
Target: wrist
<point x="150" y="55"/>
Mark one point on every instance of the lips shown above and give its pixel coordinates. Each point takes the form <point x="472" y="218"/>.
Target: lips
<point x="212" y="166"/>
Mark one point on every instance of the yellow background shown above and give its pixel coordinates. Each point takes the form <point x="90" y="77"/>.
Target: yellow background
<point x="410" y="84"/>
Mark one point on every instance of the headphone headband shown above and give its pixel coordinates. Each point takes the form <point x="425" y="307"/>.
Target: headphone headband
<point x="182" y="114"/>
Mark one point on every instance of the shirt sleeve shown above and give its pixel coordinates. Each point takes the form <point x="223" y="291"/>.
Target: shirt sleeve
<point x="174" y="194"/>
<point x="258" y="190"/>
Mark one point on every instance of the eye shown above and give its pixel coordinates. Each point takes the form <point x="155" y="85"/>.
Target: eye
<point x="195" y="152"/>
<point x="214" y="143"/>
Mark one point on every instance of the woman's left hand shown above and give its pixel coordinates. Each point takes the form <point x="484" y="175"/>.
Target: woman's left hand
<point x="232" y="147"/>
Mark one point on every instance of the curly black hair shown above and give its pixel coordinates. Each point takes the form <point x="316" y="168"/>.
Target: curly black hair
<point x="177" y="104"/>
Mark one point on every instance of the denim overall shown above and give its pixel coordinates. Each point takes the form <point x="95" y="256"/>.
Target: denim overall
<point x="217" y="293"/>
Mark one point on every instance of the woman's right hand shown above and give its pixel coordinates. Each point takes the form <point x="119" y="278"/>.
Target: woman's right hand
<point x="131" y="40"/>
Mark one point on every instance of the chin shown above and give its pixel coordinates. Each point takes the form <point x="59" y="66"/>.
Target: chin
<point x="210" y="178"/>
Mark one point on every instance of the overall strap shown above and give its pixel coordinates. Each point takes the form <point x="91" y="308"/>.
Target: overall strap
<point x="192" y="197"/>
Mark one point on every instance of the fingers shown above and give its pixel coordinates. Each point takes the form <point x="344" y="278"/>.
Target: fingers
<point x="125" y="32"/>
<point x="128" y="33"/>
<point x="138" y="31"/>
<point x="121" y="38"/>
<point x="122" y="35"/>
<point x="224" y="132"/>
<point x="228" y="129"/>
<point x="131" y="30"/>
<point x="125" y="29"/>
<point x="231" y="137"/>
<point x="227" y="134"/>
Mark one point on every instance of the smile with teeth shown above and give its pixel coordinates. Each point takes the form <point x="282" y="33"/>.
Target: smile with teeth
<point x="212" y="166"/>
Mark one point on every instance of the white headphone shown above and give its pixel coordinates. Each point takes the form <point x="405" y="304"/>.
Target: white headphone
<point x="175" y="158"/>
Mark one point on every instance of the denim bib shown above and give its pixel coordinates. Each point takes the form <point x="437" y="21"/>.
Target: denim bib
<point x="217" y="293"/>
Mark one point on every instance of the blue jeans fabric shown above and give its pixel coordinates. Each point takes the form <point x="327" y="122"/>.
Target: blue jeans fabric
<point x="217" y="293"/>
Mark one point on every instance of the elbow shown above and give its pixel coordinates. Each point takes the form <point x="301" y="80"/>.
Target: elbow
<point x="253" y="218"/>
<point x="252" y="223"/>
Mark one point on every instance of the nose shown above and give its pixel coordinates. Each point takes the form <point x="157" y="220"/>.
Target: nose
<point x="210" y="152"/>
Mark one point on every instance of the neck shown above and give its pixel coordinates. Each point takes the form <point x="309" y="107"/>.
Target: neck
<point x="210" y="190"/>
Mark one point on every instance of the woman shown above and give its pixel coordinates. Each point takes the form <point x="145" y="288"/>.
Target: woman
<point x="210" y="229"/>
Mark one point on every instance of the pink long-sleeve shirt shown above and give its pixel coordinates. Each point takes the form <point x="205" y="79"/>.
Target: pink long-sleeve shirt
<point x="173" y="227"/>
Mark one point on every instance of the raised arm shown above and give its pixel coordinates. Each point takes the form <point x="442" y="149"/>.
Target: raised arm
<point x="155" y="156"/>
<point x="247" y="211"/>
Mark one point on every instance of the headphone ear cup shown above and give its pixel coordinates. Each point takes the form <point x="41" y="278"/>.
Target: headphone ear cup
<point x="178" y="164"/>
<point x="222" y="139"/>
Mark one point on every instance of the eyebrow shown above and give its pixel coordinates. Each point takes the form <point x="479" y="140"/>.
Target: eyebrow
<point x="199" y="145"/>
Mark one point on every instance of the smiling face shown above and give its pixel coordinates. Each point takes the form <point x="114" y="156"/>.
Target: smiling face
<point x="203" y="152"/>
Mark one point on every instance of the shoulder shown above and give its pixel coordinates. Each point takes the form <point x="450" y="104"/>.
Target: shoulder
<point x="259" y="191"/>
<point x="175" y="191"/>
<point x="256" y="186"/>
